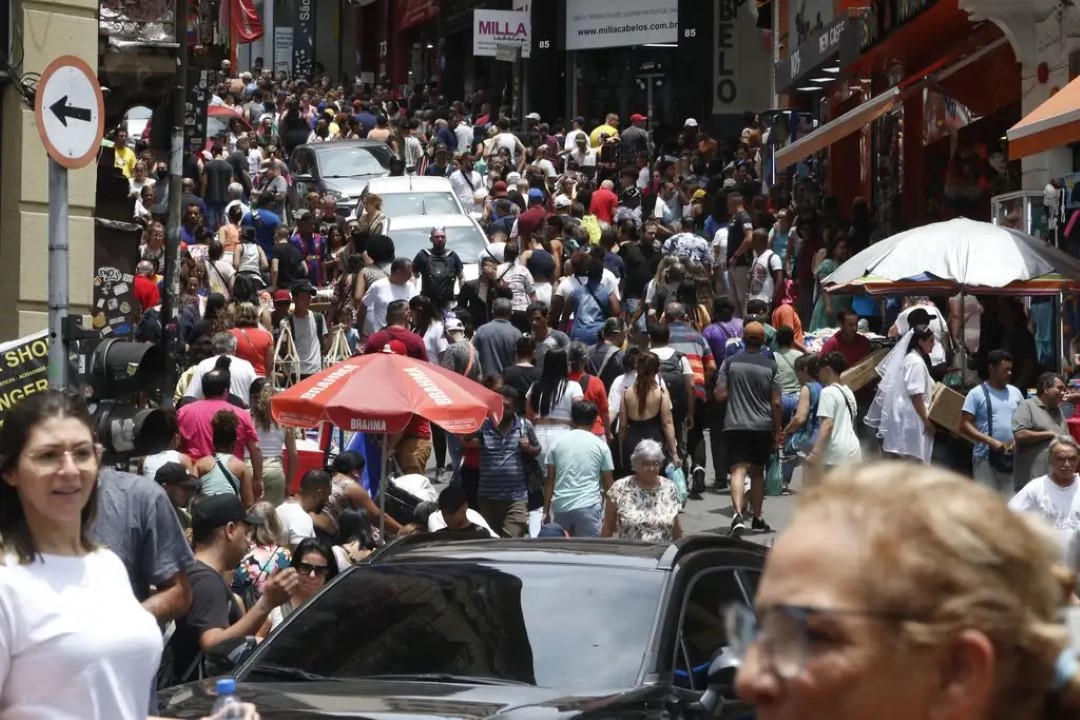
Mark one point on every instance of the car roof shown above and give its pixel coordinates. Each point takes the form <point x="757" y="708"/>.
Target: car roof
<point x="444" y="547"/>
<point x="408" y="183"/>
<point x="410" y="222"/>
<point x="328" y="145"/>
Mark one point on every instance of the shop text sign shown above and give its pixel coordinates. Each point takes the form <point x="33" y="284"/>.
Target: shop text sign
<point x="492" y="28"/>
<point x="619" y="23"/>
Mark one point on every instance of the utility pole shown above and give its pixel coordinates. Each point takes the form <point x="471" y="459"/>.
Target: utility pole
<point x="170" y="298"/>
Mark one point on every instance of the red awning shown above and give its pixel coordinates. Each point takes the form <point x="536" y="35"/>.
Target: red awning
<point x="416" y="12"/>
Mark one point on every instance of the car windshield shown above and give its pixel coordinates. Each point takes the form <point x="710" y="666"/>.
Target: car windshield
<point x="548" y="625"/>
<point x="419" y="203"/>
<point x="354" y="161"/>
<point x="467" y="242"/>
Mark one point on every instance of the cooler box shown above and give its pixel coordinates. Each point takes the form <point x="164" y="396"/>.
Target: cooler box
<point x="1074" y="427"/>
<point x="308" y="457"/>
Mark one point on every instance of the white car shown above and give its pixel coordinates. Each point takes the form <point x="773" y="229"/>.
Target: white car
<point x="410" y="195"/>
<point x="412" y="233"/>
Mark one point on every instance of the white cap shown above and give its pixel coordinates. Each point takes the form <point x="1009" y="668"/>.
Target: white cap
<point x="561" y="201"/>
<point x="533" y="116"/>
<point x="690" y="122"/>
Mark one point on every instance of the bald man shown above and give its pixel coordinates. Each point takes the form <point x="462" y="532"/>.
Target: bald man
<point x="604" y="202"/>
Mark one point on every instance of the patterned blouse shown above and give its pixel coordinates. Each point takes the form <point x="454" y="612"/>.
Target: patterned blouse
<point x="257" y="566"/>
<point x="642" y="514"/>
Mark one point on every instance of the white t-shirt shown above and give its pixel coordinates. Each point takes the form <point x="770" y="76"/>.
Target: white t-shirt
<point x="435" y="341"/>
<point x="838" y="402"/>
<point x="545" y="165"/>
<point x="466" y="193"/>
<point x="152" y="463"/>
<point x="571" y="139"/>
<point x="510" y="142"/>
<point x="719" y="246"/>
<point x="436" y="521"/>
<point x="465" y="137"/>
<point x="560" y="410"/>
<point x="583" y="159"/>
<point x="74" y="641"/>
<point x="379" y="296"/>
<point x="937" y="326"/>
<point x="241" y="374"/>
<point x="295" y="523"/>
<point x="568" y="285"/>
<point x="1059" y="506"/>
<point x="308" y="343"/>
<point x="762" y="282"/>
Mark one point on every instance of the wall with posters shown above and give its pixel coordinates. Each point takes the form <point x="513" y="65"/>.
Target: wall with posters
<point x="24" y="369"/>
<point x="594" y="24"/>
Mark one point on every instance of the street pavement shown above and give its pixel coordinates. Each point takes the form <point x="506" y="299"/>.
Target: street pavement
<point x="711" y="513"/>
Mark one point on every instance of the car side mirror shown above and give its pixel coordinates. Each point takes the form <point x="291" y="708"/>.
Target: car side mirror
<point x="721" y="683"/>
<point x="228" y="655"/>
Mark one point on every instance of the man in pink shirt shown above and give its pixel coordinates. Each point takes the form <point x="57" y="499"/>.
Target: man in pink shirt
<point x="194" y="422"/>
<point x="604" y="202"/>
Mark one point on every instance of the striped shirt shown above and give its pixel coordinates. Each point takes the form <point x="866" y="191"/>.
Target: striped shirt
<point x="688" y="341"/>
<point x="502" y="466"/>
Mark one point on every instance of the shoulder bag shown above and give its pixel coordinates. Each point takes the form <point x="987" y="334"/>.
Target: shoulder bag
<point x="1002" y="462"/>
<point x="535" y="475"/>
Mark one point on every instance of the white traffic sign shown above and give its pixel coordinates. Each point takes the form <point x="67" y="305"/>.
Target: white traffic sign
<point x="70" y="112"/>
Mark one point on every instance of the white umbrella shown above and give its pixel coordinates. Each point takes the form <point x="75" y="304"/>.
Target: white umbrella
<point x="969" y="253"/>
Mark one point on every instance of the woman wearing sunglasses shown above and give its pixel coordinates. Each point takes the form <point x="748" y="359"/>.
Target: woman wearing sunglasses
<point x="74" y="641"/>
<point x="315" y="566"/>
<point x="904" y="592"/>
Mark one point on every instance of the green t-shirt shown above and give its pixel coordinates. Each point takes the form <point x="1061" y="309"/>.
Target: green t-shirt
<point x="579" y="458"/>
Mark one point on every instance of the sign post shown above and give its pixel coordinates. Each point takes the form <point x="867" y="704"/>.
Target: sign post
<point x="70" y="117"/>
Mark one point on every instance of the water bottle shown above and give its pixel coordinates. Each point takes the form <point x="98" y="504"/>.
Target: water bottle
<point x="227" y="706"/>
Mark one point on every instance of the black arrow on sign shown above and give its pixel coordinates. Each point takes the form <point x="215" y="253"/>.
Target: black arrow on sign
<point x="63" y="111"/>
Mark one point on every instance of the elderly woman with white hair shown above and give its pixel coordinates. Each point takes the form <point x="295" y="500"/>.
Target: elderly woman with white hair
<point x="644" y="506"/>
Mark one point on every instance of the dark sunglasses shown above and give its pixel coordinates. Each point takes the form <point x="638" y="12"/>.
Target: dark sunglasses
<point x="307" y="569"/>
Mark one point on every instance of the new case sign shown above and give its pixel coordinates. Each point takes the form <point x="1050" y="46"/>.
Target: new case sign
<point x="501" y="27"/>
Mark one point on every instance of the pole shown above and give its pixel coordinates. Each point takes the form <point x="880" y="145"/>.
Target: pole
<point x="169" y="300"/>
<point x="58" y="274"/>
<point x="384" y="451"/>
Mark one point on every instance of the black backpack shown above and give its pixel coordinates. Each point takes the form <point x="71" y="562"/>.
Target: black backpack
<point x="672" y="374"/>
<point x="439" y="276"/>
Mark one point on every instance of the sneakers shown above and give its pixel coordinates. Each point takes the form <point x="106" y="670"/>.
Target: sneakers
<point x="697" y="480"/>
<point x="440" y="475"/>
<point x="759" y="525"/>
<point x="738" y="527"/>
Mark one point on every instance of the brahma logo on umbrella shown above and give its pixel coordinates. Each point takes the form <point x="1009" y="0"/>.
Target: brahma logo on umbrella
<point x="328" y="381"/>
<point x="437" y="394"/>
<point x="368" y="426"/>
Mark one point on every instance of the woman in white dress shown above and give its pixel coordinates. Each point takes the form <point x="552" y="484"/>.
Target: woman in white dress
<point x="901" y="409"/>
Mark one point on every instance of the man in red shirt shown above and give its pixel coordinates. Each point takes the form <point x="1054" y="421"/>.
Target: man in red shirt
<point x="532" y="220"/>
<point x="847" y="341"/>
<point x="144" y="287"/>
<point x="397" y="334"/>
<point x="577" y="354"/>
<point x="604" y="202"/>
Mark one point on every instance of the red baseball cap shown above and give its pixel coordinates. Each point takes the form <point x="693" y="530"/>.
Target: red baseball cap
<point x="637" y="117"/>
<point x="282" y="296"/>
<point x="499" y="188"/>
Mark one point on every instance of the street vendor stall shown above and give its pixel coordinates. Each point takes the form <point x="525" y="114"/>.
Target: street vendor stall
<point x="379" y="393"/>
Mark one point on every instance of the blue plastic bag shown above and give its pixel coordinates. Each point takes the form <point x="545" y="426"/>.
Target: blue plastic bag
<point x="676" y="475"/>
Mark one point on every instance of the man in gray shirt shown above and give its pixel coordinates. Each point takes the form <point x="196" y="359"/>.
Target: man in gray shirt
<point x="495" y="341"/>
<point x="546" y="338"/>
<point x="748" y="383"/>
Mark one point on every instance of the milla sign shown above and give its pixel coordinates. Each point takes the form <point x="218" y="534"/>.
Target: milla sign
<point x="492" y="28"/>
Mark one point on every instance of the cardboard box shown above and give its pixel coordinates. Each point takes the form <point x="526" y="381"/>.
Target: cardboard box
<point x="863" y="372"/>
<point x="946" y="407"/>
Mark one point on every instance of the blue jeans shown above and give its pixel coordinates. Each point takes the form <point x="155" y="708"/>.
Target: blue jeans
<point x="632" y="305"/>
<point x="453" y="446"/>
<point x="584" y="522"/>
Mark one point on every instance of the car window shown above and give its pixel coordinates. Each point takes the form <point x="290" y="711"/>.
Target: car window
<point x="354" y="161"/>
<point x="549" y="625"/>
<point x="701" y="627"/>
<point x="302" y="164"/>
<point x="467" y="242"/>
<point x="419" y="203"/>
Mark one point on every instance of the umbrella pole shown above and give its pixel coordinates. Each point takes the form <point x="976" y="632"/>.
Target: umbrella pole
<point x="382" y="485"/>
<point x="963" y="336"/>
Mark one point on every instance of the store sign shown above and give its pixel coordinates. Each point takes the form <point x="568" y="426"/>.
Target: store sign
<point x="24" y="369"/>
<point x="617" y="23"/>
<point x="283" y="49"/>
<point x="304" y="39"/>
<point x="840" y="37"/>
<point x="492" y="28"/>
<point x="741" y="63"/>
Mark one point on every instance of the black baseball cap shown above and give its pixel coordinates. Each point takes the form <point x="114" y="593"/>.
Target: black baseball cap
<point x="217" y="511"/>
<point x="173" y="473"/>
<point x="303" y="287"/>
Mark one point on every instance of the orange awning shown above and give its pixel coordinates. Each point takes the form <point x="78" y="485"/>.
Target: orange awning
<point x="832" y="131"/>
<point x="1053" y="124"/>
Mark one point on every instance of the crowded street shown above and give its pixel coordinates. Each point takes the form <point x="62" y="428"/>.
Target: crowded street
<point x="585" y="358"/>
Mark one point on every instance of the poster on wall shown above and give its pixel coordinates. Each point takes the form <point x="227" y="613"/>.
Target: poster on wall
<point x="24" y="369"/>
<point x="195" y="108"/>
<point x="594" y="24"/>
<point x="304" y="39"/>
<point x="283" y="49"/>
<point x="506" y="28"/>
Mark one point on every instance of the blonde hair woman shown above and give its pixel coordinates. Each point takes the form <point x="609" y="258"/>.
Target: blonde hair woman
<point x="904" y="592"/>
<point x="372" y="221"/>
<point x="278" y="444"/>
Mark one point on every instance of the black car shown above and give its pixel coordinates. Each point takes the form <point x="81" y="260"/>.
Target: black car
<point x="574" y="628"/>
<point x="341" y="168"/>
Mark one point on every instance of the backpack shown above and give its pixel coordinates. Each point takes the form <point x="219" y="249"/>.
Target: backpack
<point x="439" y="277"/>
<point x="732" y="345"/>
<point x="583" y="381"/>
<point x="671" y="372"/>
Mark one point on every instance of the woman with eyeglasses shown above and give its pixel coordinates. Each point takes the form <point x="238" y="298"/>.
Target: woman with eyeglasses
<point x="74" y="641"/>
<point x="644" y="506"/>
<point x="905" y="592"/>
<point x="315" y="566"/>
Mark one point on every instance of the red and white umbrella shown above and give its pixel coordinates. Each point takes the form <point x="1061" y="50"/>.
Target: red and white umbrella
<point x="380" y="393"/>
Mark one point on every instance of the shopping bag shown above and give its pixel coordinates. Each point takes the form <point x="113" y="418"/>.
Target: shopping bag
<point x="774" y="481"/>
<point x="676" y="475"/>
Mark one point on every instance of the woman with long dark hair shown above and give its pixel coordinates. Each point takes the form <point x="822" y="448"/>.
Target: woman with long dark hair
<point x="315" y="566"/>
<point x="427" y="323"/>
<point x="697" y="313"/>
<point x="356" y="540"/>
<point x="550" y="399"/>
<point x="346" y="492"/>
<point x="645" y="412"/>
<point x="75" y="642"/>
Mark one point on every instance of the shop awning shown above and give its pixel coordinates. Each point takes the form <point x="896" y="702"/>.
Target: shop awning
<point x="834" y="130"/>
<point x="1053" y="124"/>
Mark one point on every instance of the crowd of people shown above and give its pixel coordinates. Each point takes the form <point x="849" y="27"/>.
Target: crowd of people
<point x="642" y="303"/>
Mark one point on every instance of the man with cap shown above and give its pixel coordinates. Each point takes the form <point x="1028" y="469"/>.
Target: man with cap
<point x="635" y="139"/>
<point x="748" y="382"/>
<point x="531" y="221"/>
<point x="585" y="156"/>
<point x="438" y="269"/>
<point x="309" y="330"/>
<point x="577" y="130"/>
<point x="180" y="486"/>
<point x="219" y="530"/>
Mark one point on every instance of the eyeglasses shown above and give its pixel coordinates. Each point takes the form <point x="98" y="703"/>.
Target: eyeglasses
<point x="783" y="630"/>
<point x="85" y="457"/>
<point x="309" y="569"/>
